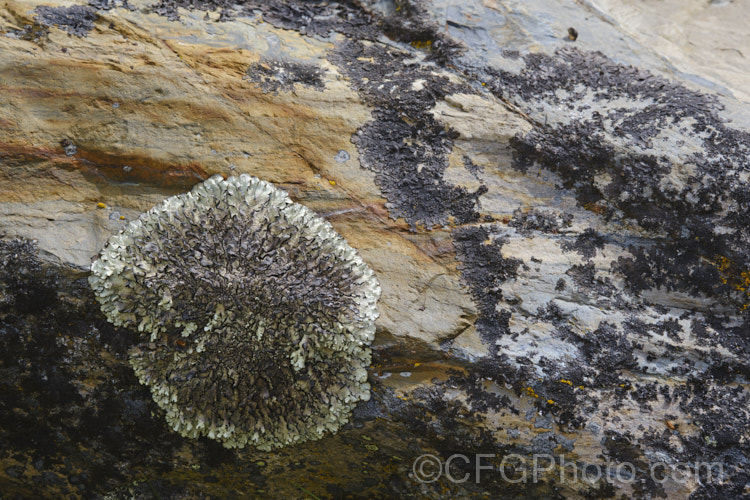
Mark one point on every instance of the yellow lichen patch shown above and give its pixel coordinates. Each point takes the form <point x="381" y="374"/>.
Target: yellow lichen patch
<point x="562" y="380"/>
<point x="722" y="264"/>
<point x="421" y="44"/>
<point x="738" y="279"/>
<point x="530" y="392"/>
<point x="597" y="207"/>
<point x="101" y="205"/>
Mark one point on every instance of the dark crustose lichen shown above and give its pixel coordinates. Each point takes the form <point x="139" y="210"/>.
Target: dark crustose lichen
<point x="77" y="20"/>
<point x="256" y="316"/>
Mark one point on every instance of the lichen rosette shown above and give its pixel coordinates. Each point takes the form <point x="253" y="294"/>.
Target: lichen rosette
<point x="255" y="315"/>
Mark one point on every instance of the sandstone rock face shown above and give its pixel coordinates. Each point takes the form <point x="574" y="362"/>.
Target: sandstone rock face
<point x="558" y="224"/>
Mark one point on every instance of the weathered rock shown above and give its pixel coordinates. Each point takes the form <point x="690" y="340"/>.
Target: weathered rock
<point x="558" y="226"/>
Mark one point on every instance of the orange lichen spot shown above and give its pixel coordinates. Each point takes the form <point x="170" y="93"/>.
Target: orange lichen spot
<point x="550" y="401"/>
<point x="595" y="207"/>
<point x="530" y="392"/>
<point x="421" y="44"/>
<point x="722" y="263"/>
<point x="417" y="364"/>
<point x="122" y="217"/>
<point x="744" y="281"/>
<point x="101" y="205"/>
<point x="738" y="279"/>
<point x="562" y="380"/>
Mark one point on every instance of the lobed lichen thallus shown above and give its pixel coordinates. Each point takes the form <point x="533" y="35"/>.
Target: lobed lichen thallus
<point x="255" y="316"/>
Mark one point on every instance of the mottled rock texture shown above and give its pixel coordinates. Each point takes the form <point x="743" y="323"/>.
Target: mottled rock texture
<point x="559" y="228"/>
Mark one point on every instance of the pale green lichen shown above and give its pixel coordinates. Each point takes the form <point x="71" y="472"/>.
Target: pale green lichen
<point x="256" y="316"/>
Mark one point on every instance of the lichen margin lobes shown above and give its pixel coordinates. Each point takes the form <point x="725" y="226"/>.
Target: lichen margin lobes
<point x="115" y="273"/>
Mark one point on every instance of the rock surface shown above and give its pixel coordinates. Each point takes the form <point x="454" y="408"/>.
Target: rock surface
<point x="557" y="218"/>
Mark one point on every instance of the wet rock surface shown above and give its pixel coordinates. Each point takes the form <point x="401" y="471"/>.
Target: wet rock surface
<point x="558" y="225"/>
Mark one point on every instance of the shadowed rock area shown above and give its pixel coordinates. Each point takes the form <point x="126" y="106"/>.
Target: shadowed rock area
<point x="559" y="228"/>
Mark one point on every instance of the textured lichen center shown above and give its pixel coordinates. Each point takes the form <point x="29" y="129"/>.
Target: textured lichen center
<point x="255" y="314"/>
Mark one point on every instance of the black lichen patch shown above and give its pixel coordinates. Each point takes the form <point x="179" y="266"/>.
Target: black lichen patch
<point x="314" y="18"/>
<point x="575" y="72"/>
<point x="672" y="266"/>
<point x="447" y="428"/>
<point x="472" y="167"/>
<point x="621" y="449"/>
<point x="26" y="286"/>
<point x="407" y="21"/>
<point x="526" y="221"/>
<point x="65" y="397"/>
<point x="409" y="162"/>
<point x="389" y="77"/>
<point x="734" y="338"/>
<point x="638" y="180"/>
<point x="584" y="276"/>
<point x="609" y="351"/>
<point x="77" y="20"/>
<point x="31" y="33"/>
<point x="275" y="75"/>
<point x="319" y="17"/>
<point x="406" y="147"/>
<point x="722" y="414"/>
<point x="586" y="243"/>
<point x="500" y="371"/>
<point x="110" y="4"/>
<point x="483" y="270"/>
